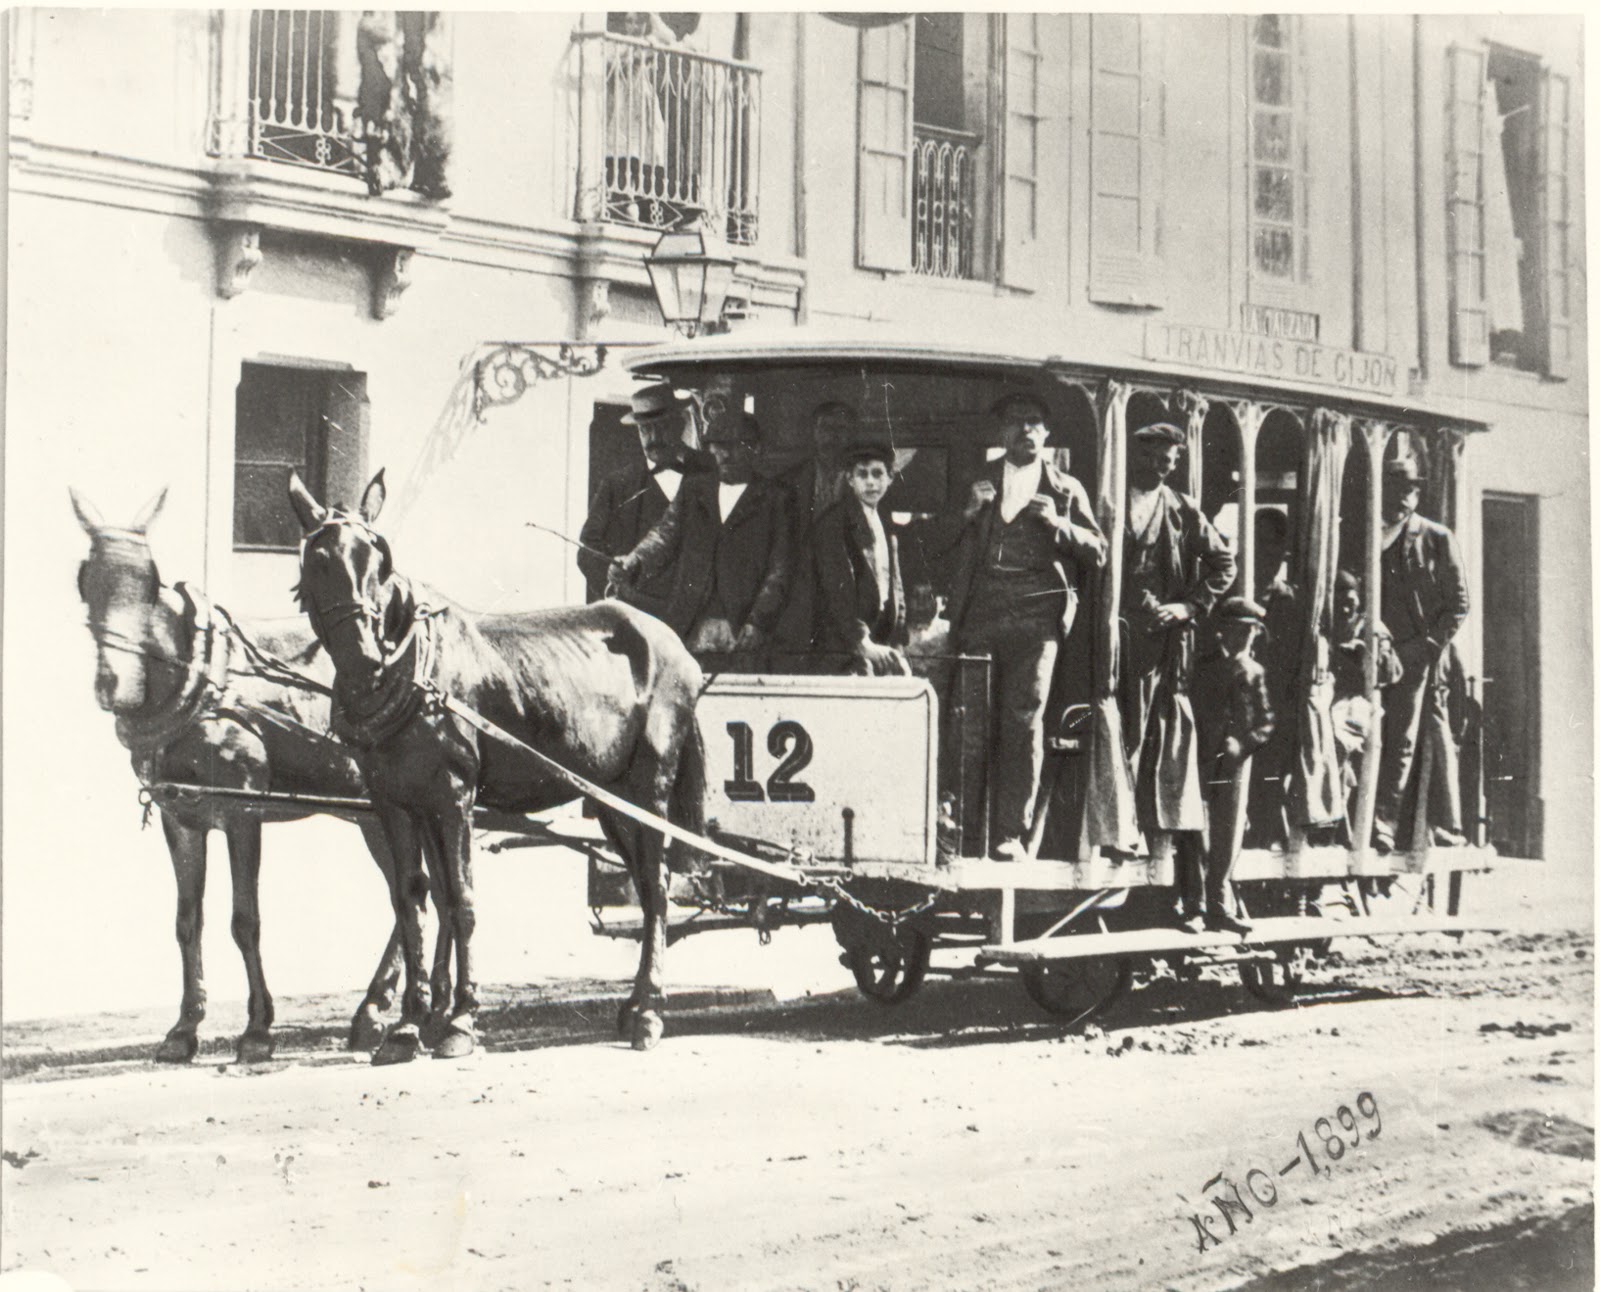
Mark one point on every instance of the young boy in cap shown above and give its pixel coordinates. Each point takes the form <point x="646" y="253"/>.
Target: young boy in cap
<point x="1234" y="718"/>
<point x="726" y="537"/>
<point x="1027" y="530"/>
<point x="860" y="599"/>
<point x="629" y="502"/>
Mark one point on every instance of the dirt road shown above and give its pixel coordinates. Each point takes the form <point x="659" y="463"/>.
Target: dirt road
<point x="962" y="1141"/>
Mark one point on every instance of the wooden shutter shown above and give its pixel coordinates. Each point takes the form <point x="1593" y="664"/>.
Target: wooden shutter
<point x="1557" y="212"/>
<point x="347" y="415"/>
<point x="1466" y="104"/>
<point x="1127" y="147"/>
<point x="1021" y="261"/>
<point x="883" y="159"/>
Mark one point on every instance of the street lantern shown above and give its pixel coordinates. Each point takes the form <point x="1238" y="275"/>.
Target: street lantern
<point x="691" y="279"/>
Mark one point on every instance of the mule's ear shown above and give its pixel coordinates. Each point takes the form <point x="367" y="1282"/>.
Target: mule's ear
<point x="372" y="499"/>
<point x="312" y="513"/>
<point x="87" y="514"/>
<point x="152" y="509"/>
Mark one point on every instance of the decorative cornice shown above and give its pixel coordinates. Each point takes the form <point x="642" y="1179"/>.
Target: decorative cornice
<point x="303" y="201"/>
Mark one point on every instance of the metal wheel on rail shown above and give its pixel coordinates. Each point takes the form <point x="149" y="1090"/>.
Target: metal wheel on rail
<point x="1079" y="989"/>
<point x="891" y="976"/>
<point x="1280" y="982"/>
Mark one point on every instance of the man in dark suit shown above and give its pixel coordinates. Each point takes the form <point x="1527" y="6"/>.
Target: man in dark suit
<point x="814" y="485"/>
<point x="628" y="503"/>
<point x="726" y="538"/>
<point x="860" y="598"/>
<point x="1027" y="529"/>
<point x="1424" y="603"/>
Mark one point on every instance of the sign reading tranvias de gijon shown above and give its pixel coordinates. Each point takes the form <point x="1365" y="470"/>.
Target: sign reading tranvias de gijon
<point x="1273" y="357"/>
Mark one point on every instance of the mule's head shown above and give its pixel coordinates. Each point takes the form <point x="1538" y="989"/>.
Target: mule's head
<point x="120" y="588"/>
<point x="347" y="585"/>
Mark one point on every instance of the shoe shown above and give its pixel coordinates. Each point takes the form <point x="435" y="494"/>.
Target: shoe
<point x="1382" y="844"/>
<point x="1192" y="923"/>
<point x="1445" y="838"/>
<point x="1222" y="922"/>
<point x="1009" y="850"/>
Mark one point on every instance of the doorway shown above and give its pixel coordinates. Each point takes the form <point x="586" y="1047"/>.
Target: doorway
<point x="1511" y="674"/>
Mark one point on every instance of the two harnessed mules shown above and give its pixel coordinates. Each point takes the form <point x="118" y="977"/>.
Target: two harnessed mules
<point x="603" y="690"/>
<point x="192" y="708"/>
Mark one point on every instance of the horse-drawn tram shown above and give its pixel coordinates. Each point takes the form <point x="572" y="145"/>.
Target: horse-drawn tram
<point x="880" y="791"/>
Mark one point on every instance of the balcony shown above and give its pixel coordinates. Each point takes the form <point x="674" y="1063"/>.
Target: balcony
<point x="670" y="137"/>
<point x="942" y="210"/>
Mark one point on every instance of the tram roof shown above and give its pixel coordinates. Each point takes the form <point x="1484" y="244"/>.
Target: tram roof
<point x="803" y="347"/>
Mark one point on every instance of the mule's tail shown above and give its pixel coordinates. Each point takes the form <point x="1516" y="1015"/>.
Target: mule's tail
<point x="688" y="803"/>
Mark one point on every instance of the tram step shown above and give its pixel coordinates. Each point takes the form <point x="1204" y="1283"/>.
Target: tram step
<point x="1273" y="932"/>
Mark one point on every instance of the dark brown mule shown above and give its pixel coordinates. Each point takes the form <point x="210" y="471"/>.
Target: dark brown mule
<point x="604" y="690"/>
<point x="163" y="670"/>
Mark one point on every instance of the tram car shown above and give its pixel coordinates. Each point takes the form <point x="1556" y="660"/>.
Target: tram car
<point x="878" y="789"/>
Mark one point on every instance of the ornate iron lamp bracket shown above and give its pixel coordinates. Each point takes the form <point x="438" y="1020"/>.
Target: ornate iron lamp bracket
<point x="503" y="370"/>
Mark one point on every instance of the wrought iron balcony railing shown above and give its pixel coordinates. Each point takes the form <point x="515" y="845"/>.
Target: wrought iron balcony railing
<point x="674" y="136"/>
<point x="303" y="83"/>
<point x="942" y="212"/>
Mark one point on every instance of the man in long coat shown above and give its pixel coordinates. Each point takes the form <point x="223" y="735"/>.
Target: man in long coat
<point x="1174" y="569"/>
<point x="814" y="485"/>
<point x="629" y="502"/>
<point x="726" y="537"/>
<point x="1424" y="603"/>
<point x="1027" y="530"/>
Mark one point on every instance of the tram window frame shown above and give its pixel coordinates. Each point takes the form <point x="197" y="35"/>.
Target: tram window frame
<point x="328" y="405"/>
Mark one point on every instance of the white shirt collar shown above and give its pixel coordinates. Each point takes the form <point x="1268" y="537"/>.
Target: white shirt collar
<point x="728" y="496"/>
<point x="669" y="478"/>
<point x="1020" y="484"/>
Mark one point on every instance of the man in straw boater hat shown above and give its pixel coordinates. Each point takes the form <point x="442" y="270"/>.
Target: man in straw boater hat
<point x="726" y="539"/>
<point x="629" y="502"/>
<point x="1175" y="567"/>
<point x="1027" y="529"/>
<point x="1424" y="603"/>
<point x="1234" y="718"/>
<point x="860" y="596"/>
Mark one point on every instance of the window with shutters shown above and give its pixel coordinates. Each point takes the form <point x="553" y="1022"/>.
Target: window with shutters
<point x="1127" y="159"/>
<point x="304" y="419"/>
<point x="1509" y="213"/>
<point x="1279" y="173"/>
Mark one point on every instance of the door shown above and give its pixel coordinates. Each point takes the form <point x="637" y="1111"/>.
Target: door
<point x="1511" y="674"/>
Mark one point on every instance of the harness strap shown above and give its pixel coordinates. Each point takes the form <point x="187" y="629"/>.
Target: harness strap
<point x="618" y="804"/>
<point x="206" y="670"/>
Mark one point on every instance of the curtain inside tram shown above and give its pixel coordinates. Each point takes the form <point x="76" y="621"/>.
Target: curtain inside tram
<point x="1109" y="814"/>
<point x="1317" y="797"/>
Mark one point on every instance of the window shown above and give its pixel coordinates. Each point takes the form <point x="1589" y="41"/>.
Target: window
<point x="1279" y="184"/>
<point x="1127" y="159"/>
<point x="302" y="110"/>
<point x="309" y="420"/>
<point x="1508" y="212"/>
<point x="945" y="148"/>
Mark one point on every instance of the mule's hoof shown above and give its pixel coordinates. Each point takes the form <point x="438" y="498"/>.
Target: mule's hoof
<point x="647" y="1029"/>
<point x="434" y="1029"/>
<point x="400" y="1046"/>
<point x="366" y="1032"/>
<point x="254" y="1047"/>
<point x="178" y="1047"/>
<point x="627" y="1017"/>
<point x="454" y="1044"/>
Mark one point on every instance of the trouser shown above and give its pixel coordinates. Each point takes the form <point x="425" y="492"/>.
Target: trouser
<point x="1202" y="870"/>
<point x="1024" y="663"/>
<point x="1404" y="706"/>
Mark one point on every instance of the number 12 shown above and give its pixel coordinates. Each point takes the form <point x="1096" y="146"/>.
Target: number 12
<point x="788" y="740"/>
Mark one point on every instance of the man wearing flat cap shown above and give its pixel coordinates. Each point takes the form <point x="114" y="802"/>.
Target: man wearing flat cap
<point x="1424" y="603"/>
<point x="1027" y="530"/>
<point x="1175" y="567"/>
<point x="1233" y="718"/>
<point x="726" y="539"/>
<point x="860" y="598"/>
<point x="629" y="502"/>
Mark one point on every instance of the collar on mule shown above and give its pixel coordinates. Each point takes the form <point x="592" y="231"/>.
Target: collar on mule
<point x="149" y="730"/>
<point x="403" y="682"/>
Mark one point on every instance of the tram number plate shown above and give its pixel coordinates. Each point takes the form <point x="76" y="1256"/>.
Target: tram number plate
<point x="786" y="757"/>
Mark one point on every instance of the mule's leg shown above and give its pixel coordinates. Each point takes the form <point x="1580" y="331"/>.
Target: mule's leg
<point x="651" y="875"/>
<point x="244" y="858"/>
<point x="366" y="1027"/>
<point x="623" y="836"/>
<point x="409" y="893"/>
<point x="452" y="837"/>
<point x="444" y="941"/>
<point x="188" y="848"/>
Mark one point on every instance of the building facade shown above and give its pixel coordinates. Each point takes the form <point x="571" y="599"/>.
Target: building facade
<point x="255" y="240"/>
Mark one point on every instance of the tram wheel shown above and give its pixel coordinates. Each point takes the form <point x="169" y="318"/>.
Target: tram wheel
<point x="1280" y="982"/>
<point x="1079" y="990"/>
<point x="890" y="977"/>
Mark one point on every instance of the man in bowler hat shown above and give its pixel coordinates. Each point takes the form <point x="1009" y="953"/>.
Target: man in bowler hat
<point x="1424" y="603"/>
<point x="629" y="502"/>
<point x="726" y="539"/>
<point x="1027" y="530"/>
